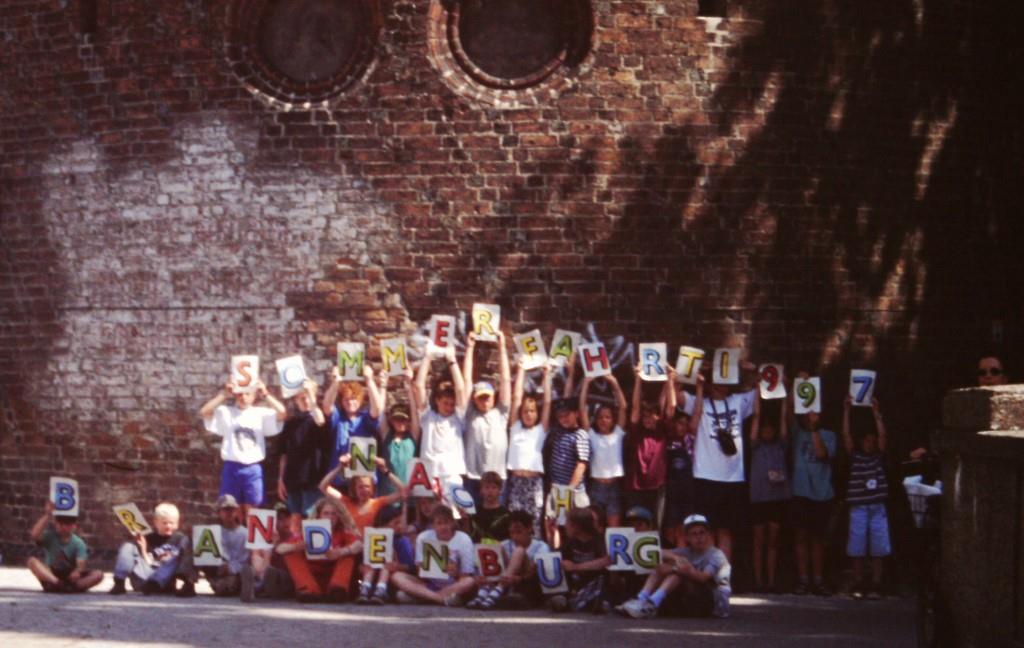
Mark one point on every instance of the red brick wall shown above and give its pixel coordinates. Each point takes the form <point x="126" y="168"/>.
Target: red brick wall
<point x="829" y="184"/>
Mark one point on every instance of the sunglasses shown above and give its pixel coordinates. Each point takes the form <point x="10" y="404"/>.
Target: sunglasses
<point x="994" y="371"/>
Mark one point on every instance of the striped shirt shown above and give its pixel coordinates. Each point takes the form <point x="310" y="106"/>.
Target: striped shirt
<point x="568" y="448"/>
<point x="867" y="483"/>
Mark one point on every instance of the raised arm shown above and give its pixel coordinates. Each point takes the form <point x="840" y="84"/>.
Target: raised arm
<point x="325" y="484"/>
<point x="698" y="404"/>
<point x="876" y="409"/>
<point x="505" y="375"/>
<point x="620" y="400"/>
<point x="376" y="396"/>
<point x="570" y="376"/>
<point x="545" y="412"/>
<point x="206" y="411"/>
<point x="331" y="393"/>
<point x="276" y="405"/>
<point x="847" y="439"/>
<point x="461" y="392"/>
<point x="314" y="409"/>
<point x="421" y="383"/>
<point x="467" y="362"/>
<point x="634" y="413"/>
<point x="36" y="532"/>
<point x="669" y="393"/>
<point x="517" y="393"/>
<point x="584" y="411"/>
<point x="783" y="424"/>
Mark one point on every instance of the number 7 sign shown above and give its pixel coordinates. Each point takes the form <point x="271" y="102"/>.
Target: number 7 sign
<point x="862" y="387"/>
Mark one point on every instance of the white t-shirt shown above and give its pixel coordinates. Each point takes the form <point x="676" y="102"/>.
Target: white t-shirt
<point x="536" y="547"/>
<point x="460" y="549"/>
<point x="709" y="462"/>
<point x="486" y="441"/>
<point x="606" y="454"/>
<point x="526" y="447"/>
<point x="244" y="432"/>
<point x="441" y="446"/>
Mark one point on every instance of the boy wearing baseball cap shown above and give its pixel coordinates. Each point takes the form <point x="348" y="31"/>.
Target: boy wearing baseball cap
<point x="694" y="580"/>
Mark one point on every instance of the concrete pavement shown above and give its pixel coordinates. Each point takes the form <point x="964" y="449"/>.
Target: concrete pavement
<point x="29" y="618"/>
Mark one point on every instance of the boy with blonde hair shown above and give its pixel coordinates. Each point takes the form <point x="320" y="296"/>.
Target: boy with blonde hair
<point x="153" y="561"/>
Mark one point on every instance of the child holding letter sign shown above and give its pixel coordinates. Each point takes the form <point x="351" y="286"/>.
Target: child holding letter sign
<point x="304" y="451"/>
<point x="243" y="428"/>
<point x="443" y="423"/>
<point x="330" y="578"/>
<point x="530" y="419"/>
<point x="606" y="436"/>
<point x="866" y="493"/>
<point x="373" y="579"/>
<point x="718" y="467"/>
<point x="153" y="561"/>
<point x="814" y="448"/>
<point x="352" y="419"/>
<point x="62" y="568"/>
<point x="441" y="540"/>
<point x="486" y="420"/>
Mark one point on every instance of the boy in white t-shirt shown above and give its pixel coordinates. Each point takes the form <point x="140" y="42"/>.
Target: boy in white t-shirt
<point x="243" y="428"/>
<point x="486" y="438"/>
<point x="461" y="564"/>
<point x="719" y="478"/>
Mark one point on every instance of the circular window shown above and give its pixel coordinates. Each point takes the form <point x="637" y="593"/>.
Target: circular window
<point x="514" y="44"/>
<point x="302" y="50"/>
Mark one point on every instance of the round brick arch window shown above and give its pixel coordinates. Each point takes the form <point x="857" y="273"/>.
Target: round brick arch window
<point x="509" y="45"/>
<point x="297" y="51"/>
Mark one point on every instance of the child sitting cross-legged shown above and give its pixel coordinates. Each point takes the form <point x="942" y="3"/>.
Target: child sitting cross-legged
<point x="584" y="559"/>
<point x="693" y="579"/>
<point x="460" y="567"/>
<point x="332" y="576"/>
<point x="373" y="583"/>
<point x="62" y="568"/>
<point x="518" y="587"/>
<point x="153" y="561"/>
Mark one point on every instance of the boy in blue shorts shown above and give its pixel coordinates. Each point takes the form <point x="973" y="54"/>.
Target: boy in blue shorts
<point x="866" y="493"/>
<point x="243" y="428"/>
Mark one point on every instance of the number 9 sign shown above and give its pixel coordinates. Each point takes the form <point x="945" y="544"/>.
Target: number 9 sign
<point x="772" y="384"/>
<point x="807" y="395"/>
<point x="862" y="387"/>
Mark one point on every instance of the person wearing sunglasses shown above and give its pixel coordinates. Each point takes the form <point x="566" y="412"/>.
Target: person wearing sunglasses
<point x="990" y="371"/>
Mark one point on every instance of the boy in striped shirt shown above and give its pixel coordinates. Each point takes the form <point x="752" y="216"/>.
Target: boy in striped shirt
<point x="866" y="492"/>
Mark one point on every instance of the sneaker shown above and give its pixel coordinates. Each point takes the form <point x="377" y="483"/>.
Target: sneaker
<point x="378" y="598"/>
<point x="489" y="603"/>
<point x="857" y="592"/>
<point x="363" y="598"/>
<point x="475" y="604"/>
<point x="187" y="590"/>
<point x="802" y="589"/>
<point x="453" y="600"/>
<point x="645" y="610"/>
<point x="118" y="587"/>
<point x="558" y="603"/>
<point x="873" y="594"/>
<point x="248" y="578"/>
<point x="403" y="598"/>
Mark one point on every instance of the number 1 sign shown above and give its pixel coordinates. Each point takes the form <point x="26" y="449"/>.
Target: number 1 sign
<point x="862" y="387"/>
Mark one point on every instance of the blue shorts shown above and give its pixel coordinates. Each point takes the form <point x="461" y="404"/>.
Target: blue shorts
<point x="607" y="496"/>
<point x="302" y="501"/>
<point x="243" y="481"/>
<point x="869" y="531"/>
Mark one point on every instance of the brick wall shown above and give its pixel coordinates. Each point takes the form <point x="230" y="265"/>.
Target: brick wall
<point x="828" y="184"/>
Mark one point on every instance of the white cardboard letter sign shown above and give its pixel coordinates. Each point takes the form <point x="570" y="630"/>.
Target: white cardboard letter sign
<point x="393" y="355"/>
<point x="773" y="381"/>
<point x="653" y="357"/>
<point x="131" y="517"/>
<point x="245" y="372"/>
<point x="562" y="346"/>
<point x="259" y="528"/>
<point x="807" y="395"/>
<point x="207" y="547"/>
<point x="317" y="535"/>
<point x="862" y="387"/>
<point x="291" y="371"/>
<point x="64" y="496"/>
<point x="688" y="364"/>
<point x="530" y="347"/>
<point x="486" y="321"/>
<point x="726" y="370"/>
<point x="351" y="356"/>
<point x="378" y="546"/>
<point x="594" y="359"/>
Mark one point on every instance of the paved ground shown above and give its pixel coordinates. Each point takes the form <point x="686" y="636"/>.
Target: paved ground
<point x="30" y="618"/>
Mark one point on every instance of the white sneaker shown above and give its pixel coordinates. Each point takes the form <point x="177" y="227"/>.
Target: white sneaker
<point x="642" y="610"/>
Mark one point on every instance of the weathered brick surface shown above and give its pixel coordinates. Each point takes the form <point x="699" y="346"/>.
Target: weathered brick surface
<point x="829" y="184"/>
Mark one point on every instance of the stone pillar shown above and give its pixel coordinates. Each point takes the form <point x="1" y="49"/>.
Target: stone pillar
<point x="982" y="450"/>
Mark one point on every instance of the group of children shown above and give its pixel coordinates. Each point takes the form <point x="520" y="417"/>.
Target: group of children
<point x="671" y="462"/>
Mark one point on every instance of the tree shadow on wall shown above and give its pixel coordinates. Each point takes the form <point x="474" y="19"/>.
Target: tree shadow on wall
<point x="850" y="194"/>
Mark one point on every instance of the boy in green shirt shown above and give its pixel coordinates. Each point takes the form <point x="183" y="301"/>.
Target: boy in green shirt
<point x="62" y="568"/>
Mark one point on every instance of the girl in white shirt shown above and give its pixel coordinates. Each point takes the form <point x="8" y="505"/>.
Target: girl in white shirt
<point x="528" y="430"/>
<point x="606" y="435"/>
